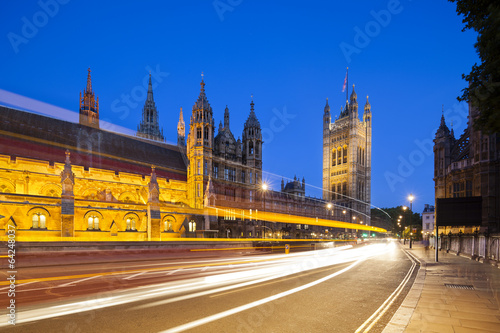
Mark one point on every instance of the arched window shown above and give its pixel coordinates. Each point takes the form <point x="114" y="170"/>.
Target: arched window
<point x="130" y="222"/>
<point x="339" y="191"/>
<point x="192" y="226"/>
<point x="339" y="156"/>
<point x="345" y="155"/>
<point x="334" y="157"/>
<point x="93" y="222"/>
<point x="250" y="148"/>
<point x="38" y="221"/>
<point x="206" y="133"/>
<point x="198" y="133"/>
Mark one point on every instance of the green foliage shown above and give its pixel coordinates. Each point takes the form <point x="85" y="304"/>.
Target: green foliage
<point x="483" y="93"/>
<point x="387" y="218"/>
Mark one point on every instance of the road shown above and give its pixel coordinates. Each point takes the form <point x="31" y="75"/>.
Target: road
<point x="341" y="289"/>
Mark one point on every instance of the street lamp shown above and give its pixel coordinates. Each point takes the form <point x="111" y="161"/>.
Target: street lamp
<point x="264" y="189"/>
<point x="411" y="198"/>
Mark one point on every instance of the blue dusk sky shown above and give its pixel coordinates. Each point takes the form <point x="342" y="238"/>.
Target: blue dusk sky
<point x="408" y="56"/>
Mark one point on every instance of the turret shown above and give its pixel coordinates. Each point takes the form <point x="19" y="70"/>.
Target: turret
<point x="149" y="127"/>
<point x="89" y="106"/>
<point x="252" y="141"/>
<point x="181" y="130"/>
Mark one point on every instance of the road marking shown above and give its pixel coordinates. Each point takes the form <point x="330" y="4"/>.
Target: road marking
<point x="18" y="285"/>
<point x="388" y="302"/>
<point x="78" y="281"/>
<point x="132" y="276"/>
<point x="238" y="309"/>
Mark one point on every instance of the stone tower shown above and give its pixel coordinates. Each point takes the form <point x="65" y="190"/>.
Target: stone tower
<point x="252" y="145"/>
<point x="149" y="127"/>
<point x="347" y="160"/>
<point x="89" y="106"/>
<point x="199" y="147"/>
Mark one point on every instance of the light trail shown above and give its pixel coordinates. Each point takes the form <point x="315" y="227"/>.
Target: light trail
<point x="278" y="266"/>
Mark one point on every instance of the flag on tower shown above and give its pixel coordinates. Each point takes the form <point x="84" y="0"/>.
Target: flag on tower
<point x="345" y="82"/>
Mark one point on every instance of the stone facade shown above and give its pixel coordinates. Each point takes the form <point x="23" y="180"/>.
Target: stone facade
<point x="469" y="167"/>
<point x="347" y="146"/>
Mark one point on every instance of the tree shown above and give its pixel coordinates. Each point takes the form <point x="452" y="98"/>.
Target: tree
<point x="387" y="218"/>
<point x="483" y="92"/>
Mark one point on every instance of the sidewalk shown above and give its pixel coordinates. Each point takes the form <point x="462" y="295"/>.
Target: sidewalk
<point x="455" y="294"/>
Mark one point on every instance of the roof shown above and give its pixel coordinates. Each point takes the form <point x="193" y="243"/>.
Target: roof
<point x="25" y="134"/>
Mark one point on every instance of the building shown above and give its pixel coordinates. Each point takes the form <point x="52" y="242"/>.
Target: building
<point x="347" y="146"/>
<point x="468" y="167"/>
<point x="427" y="221"/>
<point x="76" y="181"/>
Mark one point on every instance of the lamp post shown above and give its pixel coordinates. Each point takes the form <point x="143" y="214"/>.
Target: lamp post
<point x="403" y="220"/>
<point x="345" y="230"/>
<point x="264" y="189"/>
<point x="410" y="198"/>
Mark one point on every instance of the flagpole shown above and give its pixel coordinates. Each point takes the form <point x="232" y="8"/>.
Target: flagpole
<point x="347" y="88"/>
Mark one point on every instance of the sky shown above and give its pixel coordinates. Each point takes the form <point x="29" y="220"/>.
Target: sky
<point x="408" y="56"/>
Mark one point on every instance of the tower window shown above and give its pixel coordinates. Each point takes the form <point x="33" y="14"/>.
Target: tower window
<point x="198" y="133"/>
<point x="345" y="155"/>
<point x="334" y="158"/>
<point x="250" y="148"/>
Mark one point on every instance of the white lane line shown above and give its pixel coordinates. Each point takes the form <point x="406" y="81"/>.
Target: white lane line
<point x="132" y="276"/>
<point x="172" y="272"/>
<point x="77" y="281"/>
<point x="19" y="285"/>
<point x="388" y="302"/>
<point x="238" y="309"/>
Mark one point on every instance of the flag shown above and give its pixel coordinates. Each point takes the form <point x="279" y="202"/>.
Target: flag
<point x="345" y="82"/>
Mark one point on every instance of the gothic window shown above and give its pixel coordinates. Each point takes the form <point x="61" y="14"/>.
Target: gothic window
<point x="205" y="169"/>
<point x="216" y="171"/>
<point x="243" y="176"/>
<point x="93" y="222"/>
<point x="334" y="158"/>
<point x="250" y="148"/>
<point x="339" y="156"/>
<point x="251" y="179"/>
<point x="38" y="221"/>
<point x="468" y="188"/>
<point x="206" y="133"/>
<point x="198" y="191"/>
<point x="192" y="226"/>
<point x="345" y="155"/>
<point x="198" y="133"/>
<point x="257" y="149"/>
<point x="226" y="173"/>
<point x="344" y="189"/>
<point x="251" y="196"/>
<point x="168" y="225"/>
<point x="199" y="168"/>
<point x="130" y="223"/>
<point x="339" y="191"/>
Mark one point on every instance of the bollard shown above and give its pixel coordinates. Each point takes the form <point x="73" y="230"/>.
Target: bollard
<point x="287" y="249"/>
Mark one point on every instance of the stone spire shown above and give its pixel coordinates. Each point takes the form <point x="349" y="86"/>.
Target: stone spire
<point x="181" y="130"/>
<point x="226" y="118"/>
<point x="443" y="130"/>
<point x="327" y="107"/>
<point x="89" y="105"/>
<point x="368" y="107"/>
<point x="149" y="127"/>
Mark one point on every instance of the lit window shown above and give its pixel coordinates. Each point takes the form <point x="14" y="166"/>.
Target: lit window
<point x="130" y="224"/>
<point x="93" y="223"/>
<point x="38" y="221"/>
<point x="192" y="226"/>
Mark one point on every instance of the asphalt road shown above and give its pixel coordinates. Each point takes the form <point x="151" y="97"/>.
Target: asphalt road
<point x="333" y="290"/>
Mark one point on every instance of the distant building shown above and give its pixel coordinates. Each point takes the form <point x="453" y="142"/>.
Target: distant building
<point x="427" y="221"/>
<point x="347" y="145"/>
<point x="469" y="167"/>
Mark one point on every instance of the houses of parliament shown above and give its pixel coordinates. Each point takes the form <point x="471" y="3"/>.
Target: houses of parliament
<point x="61" y="180"/>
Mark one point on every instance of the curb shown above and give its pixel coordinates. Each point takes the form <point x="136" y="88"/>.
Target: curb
<point x="401" y="318"/>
